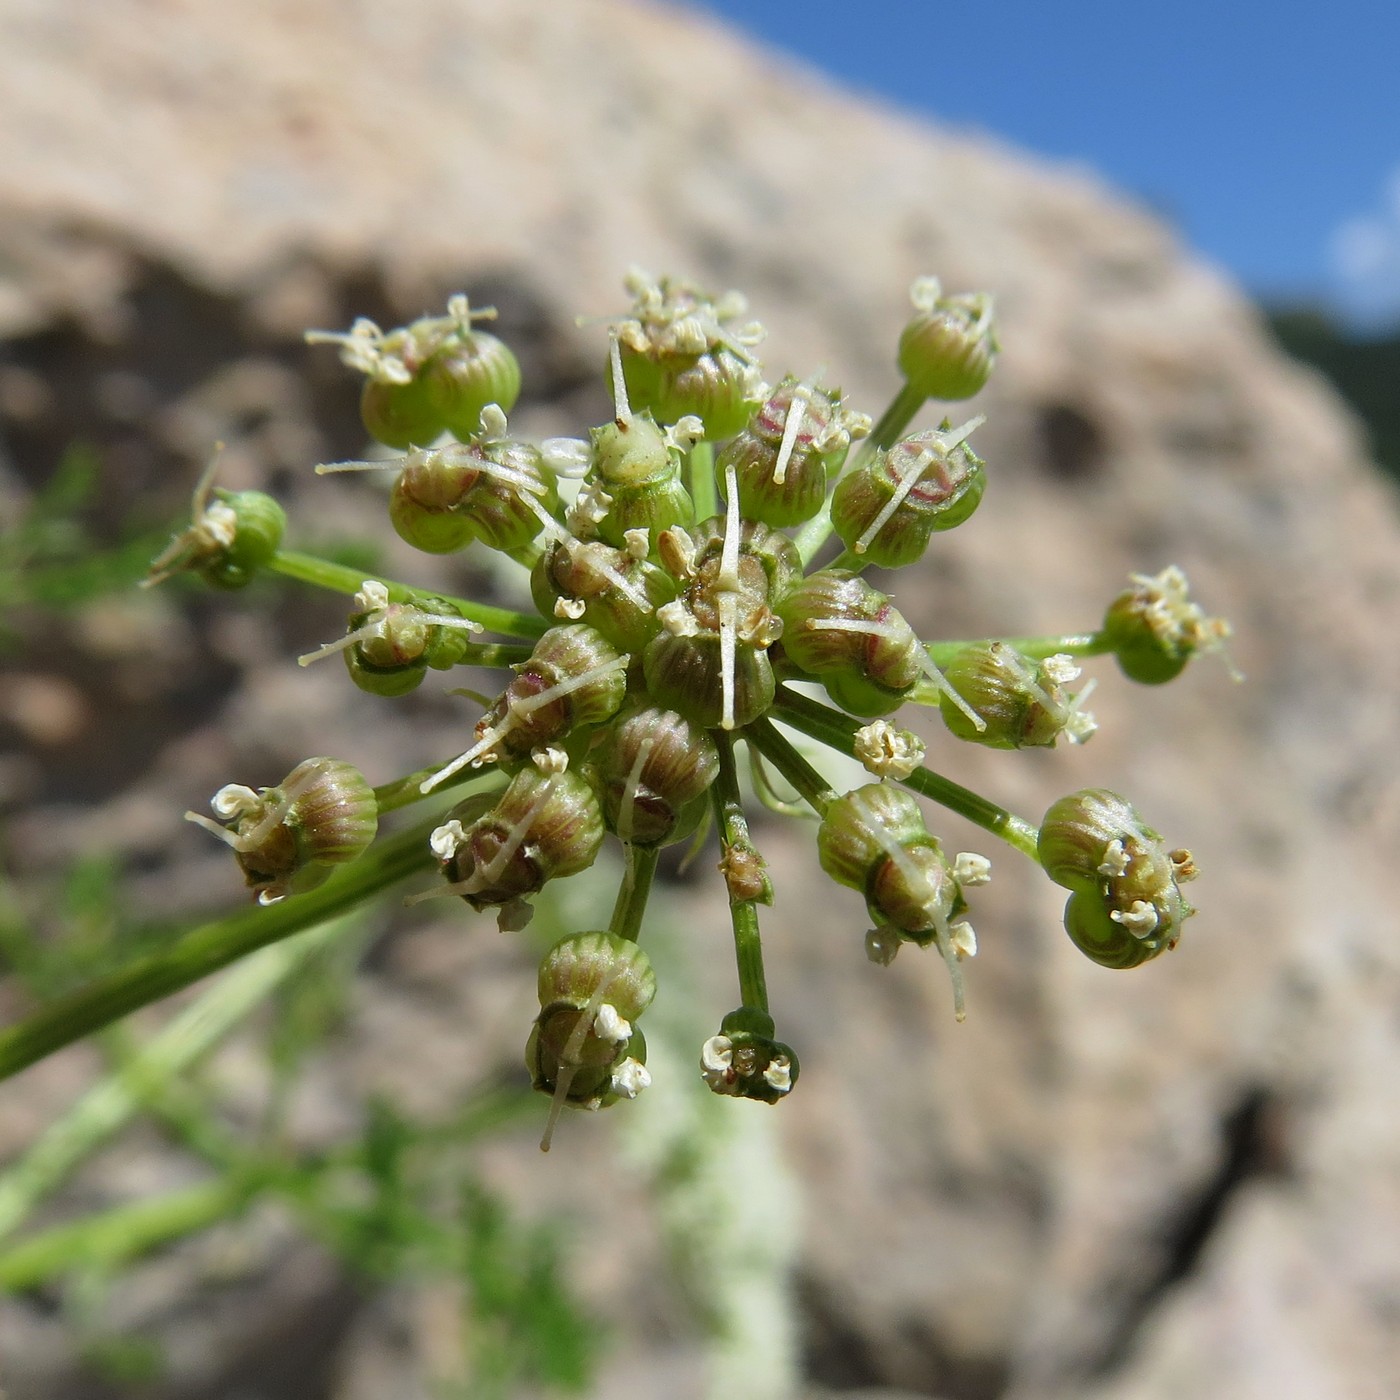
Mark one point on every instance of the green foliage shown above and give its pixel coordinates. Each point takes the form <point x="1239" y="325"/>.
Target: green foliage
<point x="1364" y="369"/>
<point x="125" y="1361"/>
<point x="50" y="558"/>
<point x="525" y="1324"/>
<point x="51" y="561"/>
<point x="412" y="1212"/>
<point x="397" y="1201"/>
<point x="56" y="934"/>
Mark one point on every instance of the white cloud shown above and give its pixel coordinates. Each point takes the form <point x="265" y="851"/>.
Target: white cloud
<point x="1364" y="260"/>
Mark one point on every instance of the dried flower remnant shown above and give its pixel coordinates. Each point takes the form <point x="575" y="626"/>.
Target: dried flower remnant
<point x="888" y="752"/>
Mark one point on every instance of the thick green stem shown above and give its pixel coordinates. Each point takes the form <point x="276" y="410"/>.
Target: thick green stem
<point x="831" y="727"/>
<point x="814" y="789"/>
<point x="1036" y="648"/>
<point x="893" y="421"/>
<point x="307" y="568"/>
<point x="114" y="1100"/>
<point x="739" y="852"/>
<point x="701" y="474"/>
<point x="632" y="895"/>
<point x="210" y="947"/>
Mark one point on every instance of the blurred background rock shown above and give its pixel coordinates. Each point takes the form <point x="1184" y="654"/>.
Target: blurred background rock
<point x="1184" y="1181"/>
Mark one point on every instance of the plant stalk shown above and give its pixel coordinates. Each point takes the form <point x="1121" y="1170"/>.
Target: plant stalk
<point x="632" y="895"/>
<point x="208" y="948"/>
<point x="810" y="785"/>
<point x="838" y="730"/>
<point x="115" y="1099"/>
<point x="700" y="467"/>
<point x="108" y="1240"/>
<point x="893" y="421"/>
<point x="743" y="913"/>
<point x="307" y="568"/>
<point x="1035" y="648"/>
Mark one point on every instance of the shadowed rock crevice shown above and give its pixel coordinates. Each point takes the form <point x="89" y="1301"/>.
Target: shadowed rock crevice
<point x="1072" y="445"/>
<point x="836" y="1354"/>
<point x="1252" y="1145"/>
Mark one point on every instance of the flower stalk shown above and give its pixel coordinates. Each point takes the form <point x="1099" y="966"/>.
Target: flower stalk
<point x="208" y="948"/>
<point x="634" y="891"/>
<point x="1034" y="648"/>
<point x="805" y="780"/>
<point x="339" y="578"/>
<point x="701" y="478"/>
<point x="838" y="731"/>
<point x="745" y="877"/>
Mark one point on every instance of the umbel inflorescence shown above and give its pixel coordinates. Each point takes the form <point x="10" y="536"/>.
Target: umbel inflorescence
<point x="689" y="597"/>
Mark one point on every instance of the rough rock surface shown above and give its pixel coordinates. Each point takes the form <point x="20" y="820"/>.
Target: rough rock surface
<point x="1184" y="1181"/>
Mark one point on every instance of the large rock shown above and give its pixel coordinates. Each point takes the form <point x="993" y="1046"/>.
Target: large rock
<point x="1179" y="1181"/>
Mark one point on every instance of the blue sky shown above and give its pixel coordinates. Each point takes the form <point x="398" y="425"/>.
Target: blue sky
<point x="1269" y="133"/>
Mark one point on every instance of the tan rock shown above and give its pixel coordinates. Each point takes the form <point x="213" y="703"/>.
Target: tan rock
<point x="1102" y="1183"/>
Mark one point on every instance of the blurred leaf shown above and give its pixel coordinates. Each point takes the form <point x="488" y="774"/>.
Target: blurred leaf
<point x="125" y="1359"/>
<point x="524" y="1326"/>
